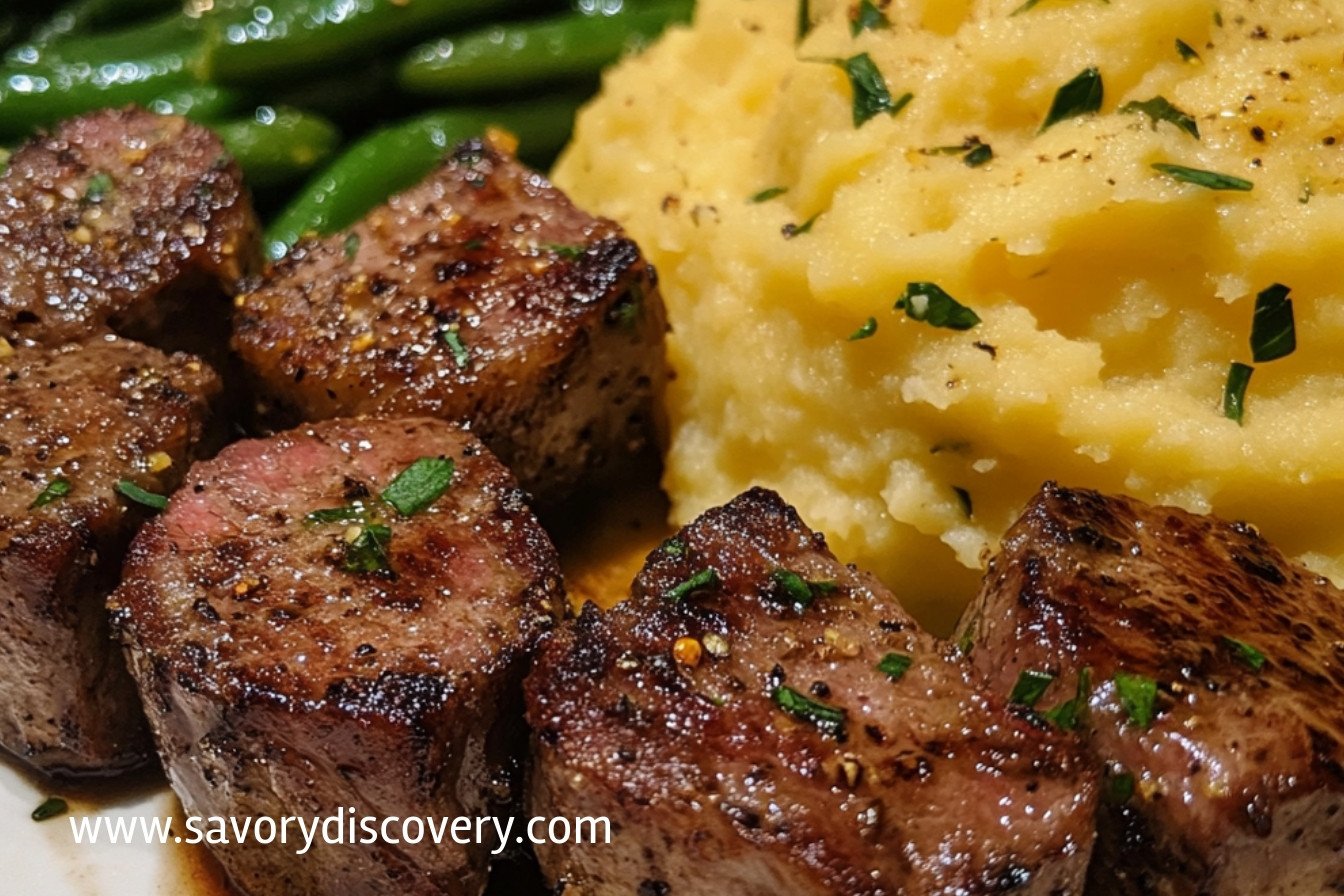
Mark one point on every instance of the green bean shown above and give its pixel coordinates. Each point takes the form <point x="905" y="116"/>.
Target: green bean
<point x="204" y="103"/>
<point x="135" y="65"/>
<point x="81" y="16"/>
<point x="511" y="56"/>
<point x="127" y="43"/>
<point x="253" y="41"/>
<point x="396" y="157"/>
<point x="277" y="146"/>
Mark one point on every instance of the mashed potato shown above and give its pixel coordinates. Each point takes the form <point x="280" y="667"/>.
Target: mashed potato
<point x="1113" y="297"/>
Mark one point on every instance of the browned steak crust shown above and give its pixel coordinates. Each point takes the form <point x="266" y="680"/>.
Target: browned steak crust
<point x="1238" y="783"/>
<point x="278" y="683"/>
<point x="126" y="220"/>
<point x="925" y="786"/>
<point x="480" y="295"/>
<point x="87" y="416"/>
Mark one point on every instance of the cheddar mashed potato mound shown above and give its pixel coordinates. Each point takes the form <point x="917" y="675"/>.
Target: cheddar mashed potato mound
<point x="1112" y="297"/>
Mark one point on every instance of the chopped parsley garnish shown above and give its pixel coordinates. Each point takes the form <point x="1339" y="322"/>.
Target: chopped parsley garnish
<point x="705" y="578"/>
<point x="792" y="230"/>
<point x="1273" y="334"/>
<point x="868" y="328"/>
<point x="673" y="547"/>
<point x="1250" y="657"/>
<point x="973" y="153"/>
<point x="1234" y="390"/>
<point x="1030" y="688"/>
<point x="1138" y="696"/>
<point x="767" y="194"/>
<point x="625" y="313"/>
<point x="1081" y="96"/>
<point x="420" y="484"/>
<point x="1210" y="180"/>
<point x="56" y="489"/>
<point x="804" y="19"/>
<point x="828" y="719"/>
<point x="1187" y="52"/>
<point x="99" y="186"/>
<point x="1159" y="108"/>
<point x="1119" y="787"/>
<point x="140" y="496"/>
<point x="929" y="303"/>
<point x="964" y="499"/>
<point x="51" y="807"/>
<point x="871" y="95"/>
<point x="955" y="149"/>
<point x="867" y="17"/>
<point x="978" y="156"/>
<point x="799" y="591"/>
<point x="351" y="513"/>
<point x="895" y="665"/>
<point x="1067" y="715"/>
<point x="901" y="102"/>
<point x="367" y="552"/>
<point x="351" y="246"/>
<point x="452" y="337"/>
<point x="412" y="490"/>
<point x="567" y="252"/>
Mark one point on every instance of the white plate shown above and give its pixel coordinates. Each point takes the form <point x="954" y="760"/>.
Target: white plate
<point x="43" y="858"/>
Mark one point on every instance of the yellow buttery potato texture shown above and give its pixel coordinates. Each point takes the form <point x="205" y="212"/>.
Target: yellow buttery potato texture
<point x="1113" y="297"/>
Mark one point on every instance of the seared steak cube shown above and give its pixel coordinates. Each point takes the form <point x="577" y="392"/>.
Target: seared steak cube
<point x="74" y="422"/>
<point x="338" y="618"/>
<point x="1214" y="675"/>
<point x="126" y="220"/>
<point x="481" y="295"/>
<point x="759" y="719"/>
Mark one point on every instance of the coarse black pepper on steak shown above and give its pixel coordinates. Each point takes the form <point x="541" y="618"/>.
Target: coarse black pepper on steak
<point x="296" y="665"/>
<point x="1235" y="785"/>
<point x="123" y="220"/>
<point x="74" y="421"/>
<point x="480" y="295"/>
<point x="867" y="777"/>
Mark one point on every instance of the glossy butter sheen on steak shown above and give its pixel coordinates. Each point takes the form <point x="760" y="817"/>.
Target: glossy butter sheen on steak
<point x="481" y="295"/>
<point x="1236" y="783"/>
<point x="126" y="220"/>
<point x="288" y="668"/>
<point x="759" y="719"/>
<point x="74" y="421"/>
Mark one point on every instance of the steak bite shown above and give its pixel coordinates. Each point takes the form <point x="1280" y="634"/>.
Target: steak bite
<point x="758" y="719"/>
<point x="1215" y="671"/>
<point x="74" y="422"/>
<point x="335" y="617"/>
<point x="126" y="220"/>
<point x="481" y="295"/>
